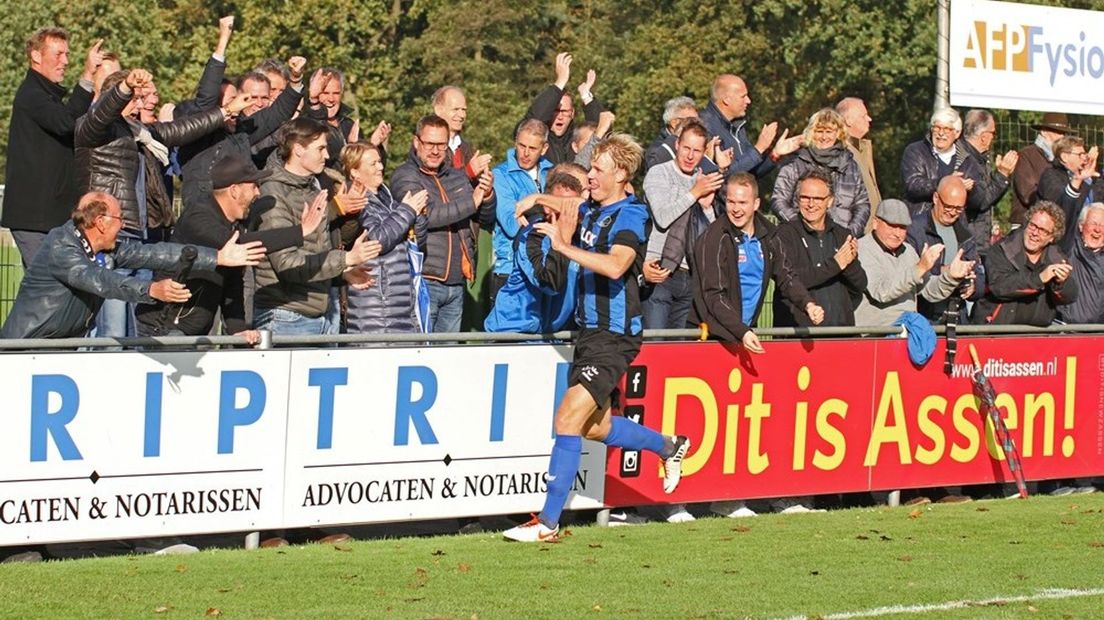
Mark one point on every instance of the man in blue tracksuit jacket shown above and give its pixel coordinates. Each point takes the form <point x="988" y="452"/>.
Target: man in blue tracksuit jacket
<point x="523" y="173"/>
<point x="538" y="294"/>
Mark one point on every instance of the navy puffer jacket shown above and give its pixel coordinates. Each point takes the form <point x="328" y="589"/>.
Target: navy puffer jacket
<point x="388" y="306"/>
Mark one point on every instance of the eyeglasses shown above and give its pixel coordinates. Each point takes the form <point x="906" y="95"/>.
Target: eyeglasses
<point x="941" y="129"/>
<point x="1078" y="154"/>
<point x="816" y="200"/>
<point x="433" y="146"/>
<point x="1039" y="229"/>
<point x="114" y="217"/>
<point x="952" y="208"/>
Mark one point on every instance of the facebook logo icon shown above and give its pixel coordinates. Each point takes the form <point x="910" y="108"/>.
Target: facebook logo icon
<point x="636" y="381"/>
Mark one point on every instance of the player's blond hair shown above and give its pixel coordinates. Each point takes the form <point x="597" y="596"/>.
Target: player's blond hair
<point x="626" y="153"/>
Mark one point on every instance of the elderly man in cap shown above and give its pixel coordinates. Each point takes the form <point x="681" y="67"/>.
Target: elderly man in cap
<point x="71" y="276"/>
<point x="1034" y="160"/>
<point x="211" y="222"/>
<point x="896" y="273"/>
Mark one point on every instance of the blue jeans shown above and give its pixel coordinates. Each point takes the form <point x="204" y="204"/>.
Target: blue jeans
<point x="446" y="306"/>
<point x="669" y="305"/>
<point x="116" y="317"/>
<point x="290" y="323"/>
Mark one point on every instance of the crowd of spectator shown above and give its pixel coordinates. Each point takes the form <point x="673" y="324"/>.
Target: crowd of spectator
<point x="273" y="171"/>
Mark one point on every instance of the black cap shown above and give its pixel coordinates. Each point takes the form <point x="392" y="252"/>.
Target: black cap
<point x="234" y="169"/>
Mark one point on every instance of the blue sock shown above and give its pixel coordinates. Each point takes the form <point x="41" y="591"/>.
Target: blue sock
<point x="562" y="468"/>
<point x="626" y="434"/>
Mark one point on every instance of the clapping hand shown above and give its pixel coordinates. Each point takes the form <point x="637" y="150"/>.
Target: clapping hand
<point x="313" y="213"/>
<point x="359" y="278"/>
<point x="847" y="252"/>
<point x="417" y="201"/>
<point x="381" y="133"/>
<point x="364" y="250"/>
<point x="563" y="69"/>
<point x="586" y="88"/>
<point x="1006" y="163"/>
<point x="787" y="145"/>
<point x="235" y="254"/>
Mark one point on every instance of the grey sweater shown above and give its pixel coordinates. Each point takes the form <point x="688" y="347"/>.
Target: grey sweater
<point x="892" y="283"/>
<point x="667" y="190"/>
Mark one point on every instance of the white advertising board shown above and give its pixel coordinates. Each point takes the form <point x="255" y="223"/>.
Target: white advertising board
<point x="1026" y="57"/>
<point x="127" y="445"/>
<point x="397" y="434"/>
<point x="133" y="445"/>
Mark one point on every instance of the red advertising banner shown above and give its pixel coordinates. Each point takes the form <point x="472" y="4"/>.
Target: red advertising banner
<point x="832" y="416"/>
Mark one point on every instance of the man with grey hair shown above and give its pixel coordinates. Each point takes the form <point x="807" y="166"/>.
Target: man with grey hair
<point x="935" y="156"/>
<point x="1087" y="259"/>
<point x="1035" y="158"/>
<point x="675" y="113"/>
<point x="857" y="120"/>
<point x="524" y="172"/>
<point x="978" y="132"/>
<point x="896" y="273"/>
<point x="1069" y="181"/>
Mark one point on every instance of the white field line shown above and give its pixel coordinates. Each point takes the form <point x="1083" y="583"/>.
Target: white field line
<point x="1050" y="594"/>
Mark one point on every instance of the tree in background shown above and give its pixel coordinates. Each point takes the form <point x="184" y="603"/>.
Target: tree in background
<point x="797" y="55"/>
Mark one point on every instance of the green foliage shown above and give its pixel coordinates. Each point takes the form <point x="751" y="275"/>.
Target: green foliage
<point x="797" y="55"/>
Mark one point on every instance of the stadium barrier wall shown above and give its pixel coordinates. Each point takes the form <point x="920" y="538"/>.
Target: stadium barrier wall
<point x="832" y="416"/>
<point x="102" y="445"/>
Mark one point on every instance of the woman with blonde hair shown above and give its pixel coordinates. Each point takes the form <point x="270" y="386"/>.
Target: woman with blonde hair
<point x="825" y="148"/>
<point x="389" y="305"/>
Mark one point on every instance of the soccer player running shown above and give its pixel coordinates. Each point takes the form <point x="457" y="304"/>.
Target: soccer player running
<point x="609" y="248"/>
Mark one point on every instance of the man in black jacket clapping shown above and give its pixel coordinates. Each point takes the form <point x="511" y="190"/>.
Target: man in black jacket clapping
<point x="212" y="222"/>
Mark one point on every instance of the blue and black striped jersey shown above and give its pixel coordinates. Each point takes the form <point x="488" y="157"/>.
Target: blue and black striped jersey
<point x="612" y="305"/>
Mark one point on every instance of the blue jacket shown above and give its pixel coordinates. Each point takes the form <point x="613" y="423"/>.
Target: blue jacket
<point x="511" y="184"/>
<point x="733" y="134"/>
<point x="539" y="294"/>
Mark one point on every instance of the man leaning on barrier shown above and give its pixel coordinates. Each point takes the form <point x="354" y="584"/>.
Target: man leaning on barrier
<point x="73" y="274"/>
<point x="1029" y="276"/>
<point x="897" y="273"/>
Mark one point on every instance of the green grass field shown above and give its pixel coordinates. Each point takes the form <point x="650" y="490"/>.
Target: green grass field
<point x="812" y="565"/>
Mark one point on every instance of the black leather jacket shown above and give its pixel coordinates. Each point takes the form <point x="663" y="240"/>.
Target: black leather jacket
<point x="107" y="154"/>
<point x="63" y="288"/>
